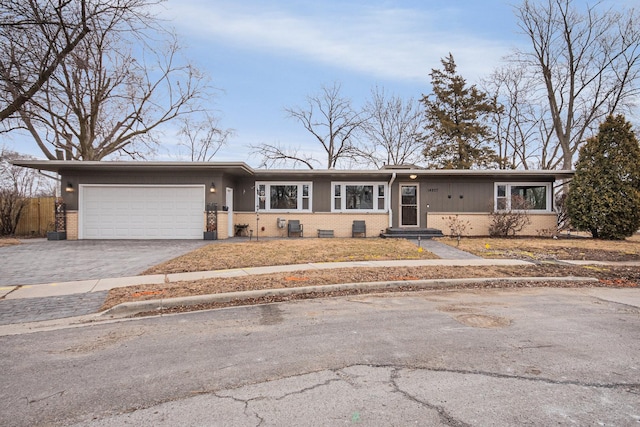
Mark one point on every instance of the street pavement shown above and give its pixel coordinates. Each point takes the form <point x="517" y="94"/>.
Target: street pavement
<point x="487" y="357"/>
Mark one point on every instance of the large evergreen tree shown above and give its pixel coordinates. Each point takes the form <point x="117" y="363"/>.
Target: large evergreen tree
<point x="604" y="195"/>
<point x="457" y="135"/>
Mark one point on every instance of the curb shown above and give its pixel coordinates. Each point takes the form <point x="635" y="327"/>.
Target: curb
<point x="131" y="308"/>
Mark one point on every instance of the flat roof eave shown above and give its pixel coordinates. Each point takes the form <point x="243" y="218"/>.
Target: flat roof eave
<point x="241" y="168"/>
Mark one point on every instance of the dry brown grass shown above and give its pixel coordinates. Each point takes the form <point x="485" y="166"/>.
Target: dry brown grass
<point x="219" y="256"/>
<point x="545" y="248"/>
<point x="8" y="241"/>
<point x="609" y="276"/>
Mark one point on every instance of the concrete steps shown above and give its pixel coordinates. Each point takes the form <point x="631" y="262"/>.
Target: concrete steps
<point x="412" y="233"/>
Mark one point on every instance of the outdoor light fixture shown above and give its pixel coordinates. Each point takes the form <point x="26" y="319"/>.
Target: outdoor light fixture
<point x="413" y="176"/>
<point x="69" y="188"/>
<point x="212" y="189"/>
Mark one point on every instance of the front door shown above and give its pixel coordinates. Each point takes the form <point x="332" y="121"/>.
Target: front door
<point x="409" y="205"/>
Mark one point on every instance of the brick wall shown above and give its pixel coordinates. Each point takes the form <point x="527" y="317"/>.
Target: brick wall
<point x="479" y="223"/>
<point x="312" y="222"/>
<point x="223" y="220"/>
<point x="72" y="225"/>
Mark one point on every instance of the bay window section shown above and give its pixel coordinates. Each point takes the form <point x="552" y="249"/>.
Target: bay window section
<point x="284" y="196"/>
<point x="533" y="197"/>
<point x="353" y="197"/>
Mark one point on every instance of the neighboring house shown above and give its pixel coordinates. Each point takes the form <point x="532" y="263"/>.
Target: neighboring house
<point x="167" y="200"/>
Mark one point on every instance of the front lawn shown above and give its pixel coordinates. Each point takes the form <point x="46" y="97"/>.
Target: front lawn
<point x="221" y="256"/>
<point x="577" y="248"/>
<point x="226" y="255"/>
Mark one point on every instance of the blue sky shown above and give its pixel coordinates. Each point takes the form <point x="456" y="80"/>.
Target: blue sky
<point x="266" y="55"/>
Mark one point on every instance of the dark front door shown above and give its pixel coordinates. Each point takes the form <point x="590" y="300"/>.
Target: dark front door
<point x="409" y="205"/>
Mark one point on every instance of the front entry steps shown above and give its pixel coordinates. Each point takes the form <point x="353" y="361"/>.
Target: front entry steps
<point x="412" y="233"/>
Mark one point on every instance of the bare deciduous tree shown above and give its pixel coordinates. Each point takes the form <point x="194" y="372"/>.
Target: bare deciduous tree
<point x="203" y="138"/>
<point x="35" y="37"/>
<point x="521" y="135"/>
<point x="274" y="155"/>
<point x="119" y="85"/>
<point x="332" y="122"/>
<point x="393" y="129"/>
<point x="587" y="64"/>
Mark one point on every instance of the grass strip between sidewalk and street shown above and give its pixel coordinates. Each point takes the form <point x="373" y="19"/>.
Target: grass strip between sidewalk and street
<point x="229" y="255"/>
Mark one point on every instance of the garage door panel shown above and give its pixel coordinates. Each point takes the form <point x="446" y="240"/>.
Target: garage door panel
<point x="142" y="212"/>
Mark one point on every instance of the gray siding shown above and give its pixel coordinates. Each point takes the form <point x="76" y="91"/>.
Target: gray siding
<point x="457" y="196"/>
<point x="142" y="178"/>
<point x="322" y="195"/>
<point x="441" y="193"/>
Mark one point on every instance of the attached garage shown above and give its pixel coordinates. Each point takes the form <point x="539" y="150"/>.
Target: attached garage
<point x="141" y="211"/>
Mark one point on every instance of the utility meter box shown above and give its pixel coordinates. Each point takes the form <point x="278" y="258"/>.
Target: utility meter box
<point x="281" y="222"/>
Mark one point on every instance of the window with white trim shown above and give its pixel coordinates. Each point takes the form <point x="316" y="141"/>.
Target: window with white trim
<point x="283" y="196"/>
<point x="523" y="196"/>
<point x="359" y="196"/>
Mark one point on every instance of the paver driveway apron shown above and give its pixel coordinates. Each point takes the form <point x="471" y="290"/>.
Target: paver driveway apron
<point x="39" y="261"/>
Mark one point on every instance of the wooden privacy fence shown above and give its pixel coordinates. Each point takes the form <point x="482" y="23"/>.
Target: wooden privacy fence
<point x="38" y="217"/>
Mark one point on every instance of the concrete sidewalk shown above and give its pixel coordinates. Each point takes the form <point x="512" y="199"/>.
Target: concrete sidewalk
<point x="58" y="289"/>
<point x="101" y="285"/>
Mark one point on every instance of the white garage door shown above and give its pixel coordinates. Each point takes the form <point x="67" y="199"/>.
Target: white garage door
<point x="141" y="212"/>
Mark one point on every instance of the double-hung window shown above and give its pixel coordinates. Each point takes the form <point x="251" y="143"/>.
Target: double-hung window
<point x="283" y="196"/>
<point x="359" y="196"/>
<point x="533" y="197"/>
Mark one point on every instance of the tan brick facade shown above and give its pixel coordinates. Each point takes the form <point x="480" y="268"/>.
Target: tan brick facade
<point x="223" y="221"/>
<point x="340" y="223"/>
<point x="72" y="225"/>
<point x="478" y="223"/>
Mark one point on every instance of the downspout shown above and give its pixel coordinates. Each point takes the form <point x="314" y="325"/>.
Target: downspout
<point x="393" y="178"/>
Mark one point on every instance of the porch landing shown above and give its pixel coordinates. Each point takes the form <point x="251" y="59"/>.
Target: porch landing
<point x="412" y="233"/>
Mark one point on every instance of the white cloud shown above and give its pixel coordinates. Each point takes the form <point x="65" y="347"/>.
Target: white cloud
<point x="395" y="43"/>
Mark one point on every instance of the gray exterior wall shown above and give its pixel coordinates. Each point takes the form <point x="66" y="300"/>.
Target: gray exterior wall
<point x="454" y="194"/>
<point x="144" y="178"/>
<point x="442" y="194"/>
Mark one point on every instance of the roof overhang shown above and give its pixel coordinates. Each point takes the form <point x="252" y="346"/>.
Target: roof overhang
<point x="385" y="174"/>
<point x="67" y="166"/>
<point x="242" y="169"/>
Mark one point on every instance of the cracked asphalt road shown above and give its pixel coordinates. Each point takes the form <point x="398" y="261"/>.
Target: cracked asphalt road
<point x="458" y="358"/>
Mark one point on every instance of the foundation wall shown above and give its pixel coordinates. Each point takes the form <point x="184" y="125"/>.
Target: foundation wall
<point x="72" y="225"/>
<point x="477" y="224"/>
<point x="340" y="223"/>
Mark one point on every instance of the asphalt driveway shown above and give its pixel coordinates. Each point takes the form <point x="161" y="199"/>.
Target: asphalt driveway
<point x="39" y="261"/>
